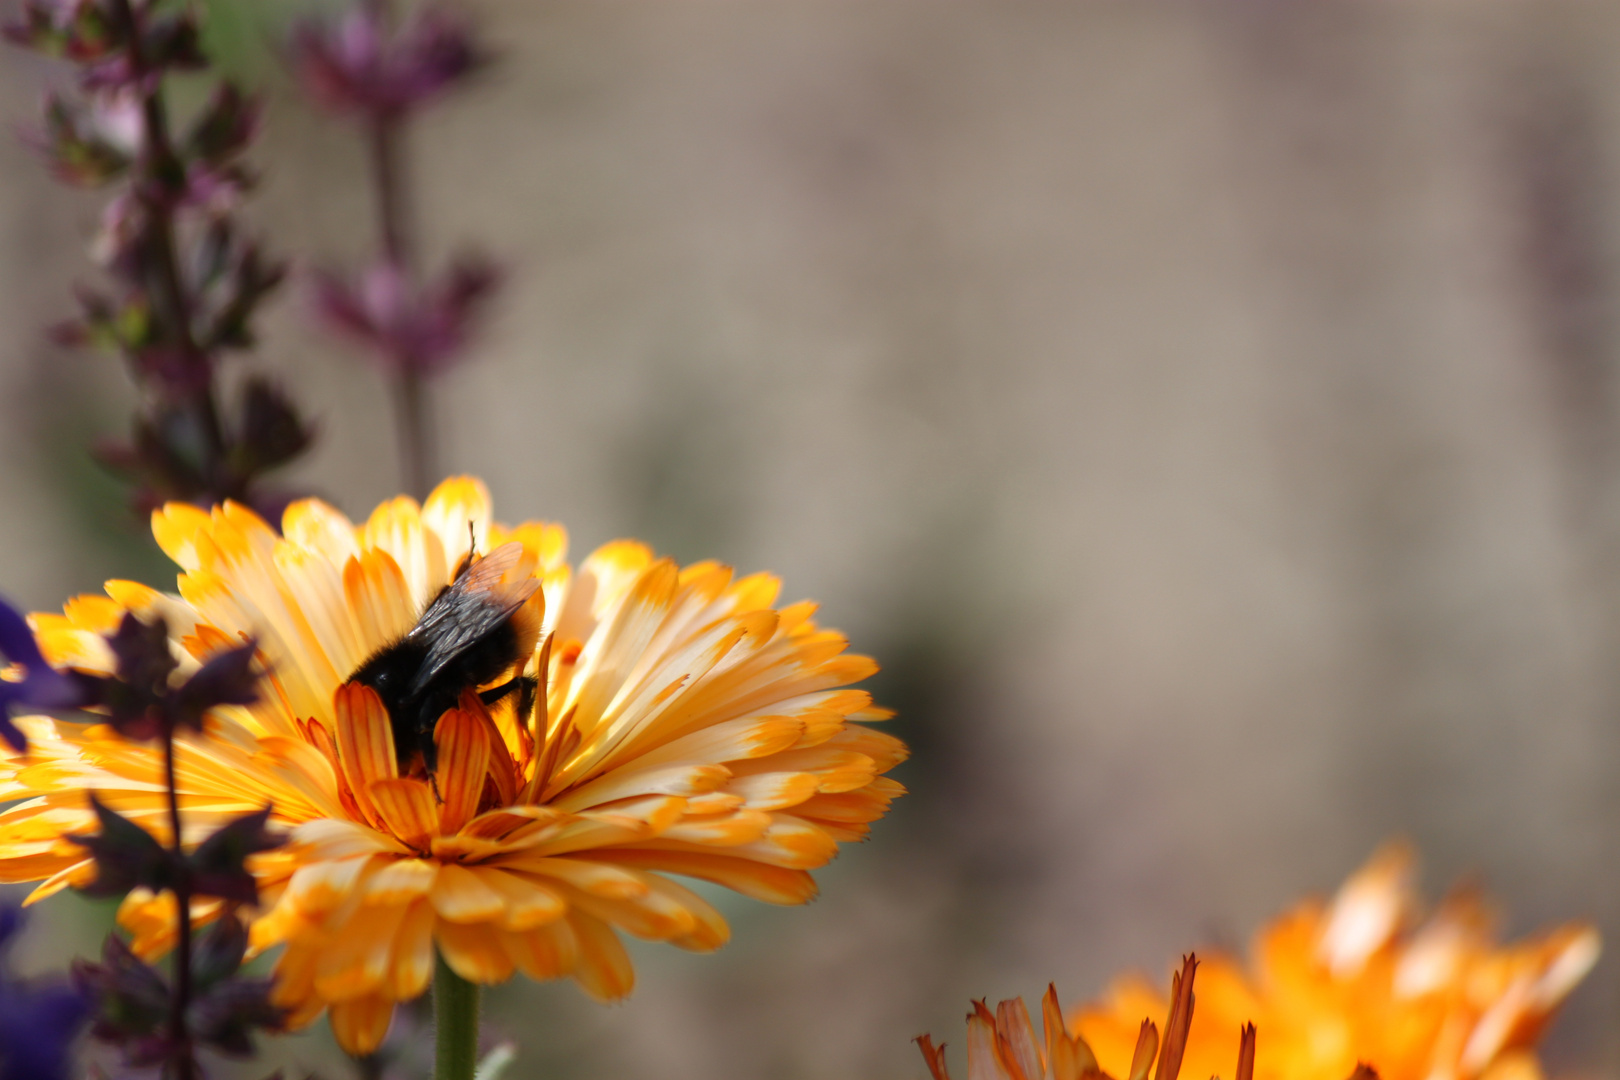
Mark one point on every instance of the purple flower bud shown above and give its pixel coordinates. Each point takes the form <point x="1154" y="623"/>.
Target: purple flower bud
<point x="89" y="143"/>
<point x="419" y="329"/>
<point x="77" y="30"/>
<point x="356" y="64"/>
<point x="116" y="247"/>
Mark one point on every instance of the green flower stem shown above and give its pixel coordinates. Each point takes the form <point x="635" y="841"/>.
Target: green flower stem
<point x="455" y="1021"/>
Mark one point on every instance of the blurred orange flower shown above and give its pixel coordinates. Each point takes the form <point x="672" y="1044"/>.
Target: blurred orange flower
<point x="1360" y="980"/>
<point x="683" y="726"/>
<point x="1002" y="1045"/>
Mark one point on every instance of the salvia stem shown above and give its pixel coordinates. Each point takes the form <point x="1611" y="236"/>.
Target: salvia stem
<point x="415" y="432"/>
<point x="455" y="1021"/>
<point x="163" y="168"/>
<point x="411" y="405"/>
<point x="179" y="1034"/>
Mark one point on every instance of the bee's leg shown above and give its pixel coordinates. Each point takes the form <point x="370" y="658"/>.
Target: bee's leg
<point x="525" y="686"/>
<point x="528" y="689"/>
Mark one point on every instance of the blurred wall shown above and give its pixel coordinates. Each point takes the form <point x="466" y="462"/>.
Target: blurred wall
<point x="1207" y="413"/>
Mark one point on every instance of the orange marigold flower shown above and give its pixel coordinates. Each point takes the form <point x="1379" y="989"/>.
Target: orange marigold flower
<point x="1002" y="1045"/>
<point x="1361" y="981"/>
<point x="683" y="725"/>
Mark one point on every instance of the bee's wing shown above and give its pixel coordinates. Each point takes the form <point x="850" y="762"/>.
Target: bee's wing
<point x="468" y="609"/>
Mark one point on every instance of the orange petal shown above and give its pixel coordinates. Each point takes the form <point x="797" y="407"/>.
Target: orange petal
<point x="772" y="884"/>
<point x="365" y="741"/>
<point x="985" y="1061"/>
<point x="461" y="895"/>
<point x="410" y="966"/>
<point x="592" y="878"/>
<point x="1018" y="1036"/>
<point x="463" y="740"/>
<point x="474" y="951"/>
<point x="547" y="952"/>
<point x="407" y="810"/>
<point x="377" y="594"/>
<point x="401" y="881"/>
<point x="355" y="960"/>
<point x="604" y="970"/>
<point x="709" y="930"/>
<point x="934" y="1056"/>
<point x="318" y="888"/>
<point x="312" y="524"/>
<point x="529" y="902"/>
<point x="361" y="1025"/>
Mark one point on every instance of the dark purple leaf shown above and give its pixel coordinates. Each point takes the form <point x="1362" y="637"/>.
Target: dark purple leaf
<point x="227" y="678"/>
<point x="142" y="652"/>
<point x="225" y="127"/>
<point x="130" y="1001"/>
<point x="226" y="1016"/>
<point x="126" y="856"/>
<point x="272" y="431"/>
<point x="219" y="865"/>
<point x="173" y="41"/>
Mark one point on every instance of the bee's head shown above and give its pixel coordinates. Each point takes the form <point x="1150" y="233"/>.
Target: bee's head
<point x="390" y="671"/>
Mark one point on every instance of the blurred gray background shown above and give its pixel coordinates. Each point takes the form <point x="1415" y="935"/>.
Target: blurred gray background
<point x="1207" y="413"/>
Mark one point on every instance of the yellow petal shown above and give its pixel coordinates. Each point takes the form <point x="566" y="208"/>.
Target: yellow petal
<point x="396" y="527"/>
<point x="455" y="504"/>
<point x="178" y="529"/>
<point x="320" y="528"/>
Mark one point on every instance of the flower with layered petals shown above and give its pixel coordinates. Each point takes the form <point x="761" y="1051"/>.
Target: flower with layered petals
<point x="683" y="725"/>
<point x="1360" y="980"/>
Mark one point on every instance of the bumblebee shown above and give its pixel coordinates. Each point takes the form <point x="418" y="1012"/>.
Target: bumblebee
<point x="477" y="629"/>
